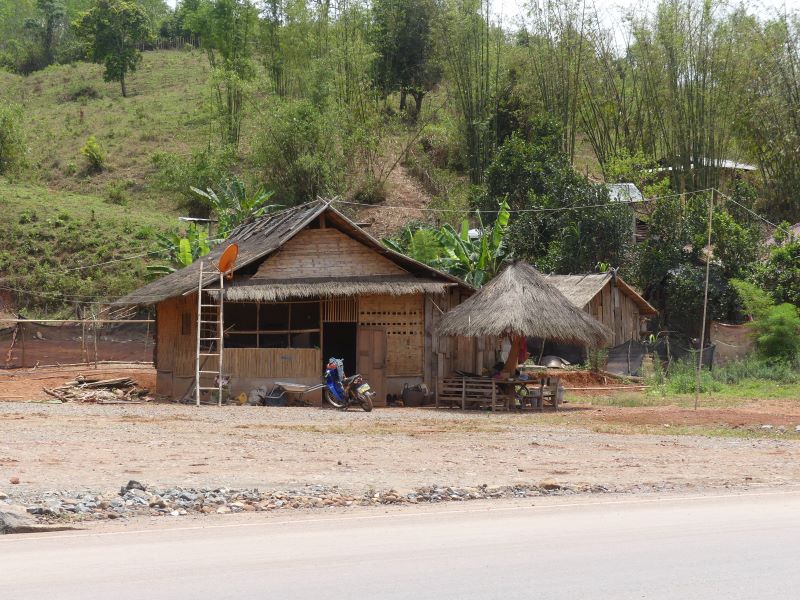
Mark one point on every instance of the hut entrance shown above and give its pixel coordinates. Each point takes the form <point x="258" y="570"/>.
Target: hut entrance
<point x="339" y="340"/>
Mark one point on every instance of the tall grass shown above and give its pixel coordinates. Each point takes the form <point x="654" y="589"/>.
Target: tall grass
<point x="681" y="378"/>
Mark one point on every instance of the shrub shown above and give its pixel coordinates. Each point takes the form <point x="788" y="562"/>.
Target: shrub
<point x="299" y="152"/>
<point x="203" y="169"/>
<point x="12" y="139"/>
<point x="94" y="154"/>
<point x="116" y="194"/>
<point x="778" y="332"/>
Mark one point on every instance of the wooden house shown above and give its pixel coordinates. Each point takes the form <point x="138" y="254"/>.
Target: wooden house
<point x="608" y="299"/>
<point x="310" y="284"/>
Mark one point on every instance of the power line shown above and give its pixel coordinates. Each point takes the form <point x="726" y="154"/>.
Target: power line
<point x="529" y="210"/>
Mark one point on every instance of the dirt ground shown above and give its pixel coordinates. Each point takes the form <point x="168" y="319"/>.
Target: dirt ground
<point x="88" y="447"/>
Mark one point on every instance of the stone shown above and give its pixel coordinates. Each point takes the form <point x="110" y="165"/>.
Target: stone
<point x="3" y="496"/>
<point x="223" y="510"/>
<point x="132" y="485"/>
<point x="14" y="480"/>
<point x="15" y="519"/>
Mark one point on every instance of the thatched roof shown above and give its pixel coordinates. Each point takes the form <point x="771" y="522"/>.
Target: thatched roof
<point x="520" y="301"/>
<point x="261" y="238"/>
<point x="580" y="289"/>
<point x="265" y="290"/>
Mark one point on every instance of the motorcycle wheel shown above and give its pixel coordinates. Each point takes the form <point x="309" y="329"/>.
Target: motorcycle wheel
<point x="331" y="399"/>
<point x="366" y="402"/>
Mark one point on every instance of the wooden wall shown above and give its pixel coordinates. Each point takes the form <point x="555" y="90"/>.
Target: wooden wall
<point x="616" y="311"/>
<point x="323" y="252"/>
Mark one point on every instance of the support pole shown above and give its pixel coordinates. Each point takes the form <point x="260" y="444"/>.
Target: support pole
<point x="199" y="333"/>
<point x="705" y="300"/>
<point x="220" y="325"/>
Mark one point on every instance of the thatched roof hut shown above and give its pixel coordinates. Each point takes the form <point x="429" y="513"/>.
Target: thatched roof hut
<point x="521" y="302"/>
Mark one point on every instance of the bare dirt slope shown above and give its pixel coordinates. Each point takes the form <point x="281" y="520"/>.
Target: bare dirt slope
<point x="404" y="191"/>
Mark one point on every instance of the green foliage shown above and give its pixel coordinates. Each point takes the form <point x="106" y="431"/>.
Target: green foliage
<point x="778" y="332"/>
<point x="111" y="31"/>
<point x="470" y="46"/>
<point x="476" y="261"/>
<point x="683" y="302"/>
<point x="756" y="302"/>
<point x="300" y="152"/>
<point x="204" y="168"/>
<point x="403" y="38"/>
<point x="570" y="225"/>
<point x="234" y="206"/>
<point x="12" y="139"/>
<point x="95" y="155"/>
<point x="181" y="250"/>
<point x="227" y="30"/>
<point x="780" y="273"/>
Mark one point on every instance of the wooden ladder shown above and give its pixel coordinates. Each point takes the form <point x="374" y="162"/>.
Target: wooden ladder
<point x="210" y="332"/>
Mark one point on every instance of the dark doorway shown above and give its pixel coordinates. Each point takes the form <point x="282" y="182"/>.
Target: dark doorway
<point x="339" y="341"/>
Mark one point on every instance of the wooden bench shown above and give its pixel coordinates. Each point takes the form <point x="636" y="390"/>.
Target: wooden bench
<point x="472" y="392"/>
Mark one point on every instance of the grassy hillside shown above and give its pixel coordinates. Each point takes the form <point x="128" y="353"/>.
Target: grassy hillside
<point x="51" y="237"/>
<point x="64" y="105"/>
<point x="57" y="215"/>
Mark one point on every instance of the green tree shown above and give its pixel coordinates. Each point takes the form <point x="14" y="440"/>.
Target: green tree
<point x="49" y="26"/>
<point x="111" y="30"/>
<point x="403" y="39"/>
<point x="567" y="224"/>
<point x="227" y="30"/>
<point x="780" y="273"/>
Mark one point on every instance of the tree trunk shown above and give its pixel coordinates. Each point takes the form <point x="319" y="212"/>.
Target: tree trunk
<point x="418" y="96"/>
<point x="122" y="84"/>
<point x="403" y="94"/>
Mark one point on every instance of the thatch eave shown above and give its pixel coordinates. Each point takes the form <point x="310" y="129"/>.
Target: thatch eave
<point x="520" y="301"/>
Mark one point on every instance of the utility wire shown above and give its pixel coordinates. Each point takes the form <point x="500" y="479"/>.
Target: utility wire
<point x="528" y="210"/>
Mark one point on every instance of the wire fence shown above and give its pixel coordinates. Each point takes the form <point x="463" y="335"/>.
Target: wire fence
<point x="55" y="342"/>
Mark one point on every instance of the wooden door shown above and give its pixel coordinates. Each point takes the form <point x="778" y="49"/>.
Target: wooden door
<point x="372" y="360"/>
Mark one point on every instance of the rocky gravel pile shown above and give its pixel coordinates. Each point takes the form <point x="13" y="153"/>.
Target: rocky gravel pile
<point x="138" y="499"/>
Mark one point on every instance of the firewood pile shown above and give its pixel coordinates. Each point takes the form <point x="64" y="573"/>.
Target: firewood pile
<point x="100" y="391"/>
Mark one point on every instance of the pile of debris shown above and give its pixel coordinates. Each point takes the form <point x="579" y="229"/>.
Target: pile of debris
<point x="100" y="391"/>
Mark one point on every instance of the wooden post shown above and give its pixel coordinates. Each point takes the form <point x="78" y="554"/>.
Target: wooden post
<point x="22" y="334"/>
<point x="95" y="339"/>
<point x="705" y="300"/>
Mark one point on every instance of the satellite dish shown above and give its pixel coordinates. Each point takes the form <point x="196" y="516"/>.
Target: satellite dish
<point x="228" y="260"/>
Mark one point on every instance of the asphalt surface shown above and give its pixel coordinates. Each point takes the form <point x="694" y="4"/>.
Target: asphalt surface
<point x="731" y="547"/>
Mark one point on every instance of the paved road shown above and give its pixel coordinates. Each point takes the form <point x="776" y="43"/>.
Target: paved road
<point x="738" y="547"/>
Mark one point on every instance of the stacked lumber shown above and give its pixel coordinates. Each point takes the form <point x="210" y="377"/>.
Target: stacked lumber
<point x="122" y="390"/>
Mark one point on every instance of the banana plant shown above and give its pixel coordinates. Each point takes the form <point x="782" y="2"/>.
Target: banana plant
<point x="453" y="251"/>
<point x="180" y="250"/>
<point x="233" y="205"/>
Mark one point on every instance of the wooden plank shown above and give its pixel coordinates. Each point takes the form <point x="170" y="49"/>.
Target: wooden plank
<point x="402" y="317"/>
<point x="320" y="252"/>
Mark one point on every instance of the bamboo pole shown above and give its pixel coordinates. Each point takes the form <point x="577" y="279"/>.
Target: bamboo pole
<point x="705" y="300"/>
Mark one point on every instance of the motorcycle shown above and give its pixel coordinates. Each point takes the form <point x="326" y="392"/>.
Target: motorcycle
<point x="342" y="392"/>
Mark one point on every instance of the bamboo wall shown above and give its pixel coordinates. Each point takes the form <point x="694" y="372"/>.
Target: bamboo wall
<point x="403" y="318"/>
<point x="322" y="252"/>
